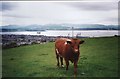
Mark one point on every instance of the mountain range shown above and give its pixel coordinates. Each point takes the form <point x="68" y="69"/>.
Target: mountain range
<point x="36" y="27"/>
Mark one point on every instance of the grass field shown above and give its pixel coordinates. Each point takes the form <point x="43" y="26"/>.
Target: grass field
<point x="99" y="58"/>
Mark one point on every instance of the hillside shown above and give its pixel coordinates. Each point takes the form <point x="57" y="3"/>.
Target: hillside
<point x="98" y="59"/>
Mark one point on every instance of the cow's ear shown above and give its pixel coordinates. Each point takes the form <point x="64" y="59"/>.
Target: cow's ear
<point x="82" y="41"/>
<point x="69" y="42"/>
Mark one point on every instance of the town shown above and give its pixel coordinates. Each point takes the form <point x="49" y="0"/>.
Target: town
<point x="9" y="41"/>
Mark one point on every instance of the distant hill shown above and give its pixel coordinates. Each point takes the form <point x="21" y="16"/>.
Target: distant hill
<point x="36" y="27"/>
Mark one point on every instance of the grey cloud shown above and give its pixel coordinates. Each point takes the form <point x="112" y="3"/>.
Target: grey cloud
<point x="16" y="16"/>
<point x="95" y="6"/>
<point x="111" y="19"/>
<point x="119" y="20"/>
<point x="4" y="6"/>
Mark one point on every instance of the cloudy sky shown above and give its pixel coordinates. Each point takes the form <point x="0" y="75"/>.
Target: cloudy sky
<point x="82" y="12"/>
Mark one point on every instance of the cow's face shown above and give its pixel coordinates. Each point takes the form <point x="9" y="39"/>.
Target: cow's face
<point x="74" y="43"/>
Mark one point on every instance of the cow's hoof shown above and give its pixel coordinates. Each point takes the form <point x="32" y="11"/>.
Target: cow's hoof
<point x="75" y="75"/>
<point x="82" y="73"/>
<point x="62" y="66"/>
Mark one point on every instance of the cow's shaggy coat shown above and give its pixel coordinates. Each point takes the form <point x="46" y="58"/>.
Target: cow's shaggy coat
<point x="69" y="50"/>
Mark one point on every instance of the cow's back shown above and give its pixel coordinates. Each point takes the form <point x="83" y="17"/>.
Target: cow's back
<point x="60" y="42"/>
<point x="62" y="48"/>
<point x="59" y="45"/>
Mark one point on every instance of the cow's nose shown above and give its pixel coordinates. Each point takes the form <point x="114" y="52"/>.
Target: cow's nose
<point x="76" y="50"/>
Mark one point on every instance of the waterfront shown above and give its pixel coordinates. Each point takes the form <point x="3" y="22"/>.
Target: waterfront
<point x="85" y="33"/>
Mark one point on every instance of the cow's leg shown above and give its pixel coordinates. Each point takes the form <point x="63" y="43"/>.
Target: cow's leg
<point x="57" y="56"/>
<point x="75" y="68"/>
<point x="67" y="64"/>
<point x="61" y="59"/>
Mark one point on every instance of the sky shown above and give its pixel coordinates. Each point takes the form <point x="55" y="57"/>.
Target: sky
<point x="76" y="12"/>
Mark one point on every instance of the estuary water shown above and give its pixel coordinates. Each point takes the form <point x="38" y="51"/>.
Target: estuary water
<point x="85" y="33"/>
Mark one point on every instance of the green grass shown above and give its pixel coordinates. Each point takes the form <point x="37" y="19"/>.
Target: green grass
<point x="99" y="58"/>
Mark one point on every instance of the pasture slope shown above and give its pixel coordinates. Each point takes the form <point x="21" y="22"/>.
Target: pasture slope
<point x="99" y="58"/>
